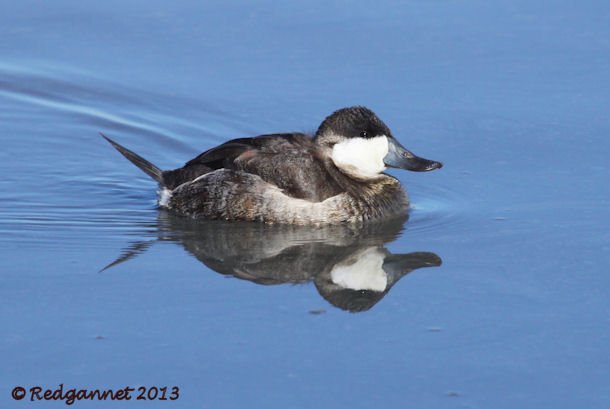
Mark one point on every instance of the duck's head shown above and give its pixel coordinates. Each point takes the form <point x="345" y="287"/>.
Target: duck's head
<point x="362" y="146"/>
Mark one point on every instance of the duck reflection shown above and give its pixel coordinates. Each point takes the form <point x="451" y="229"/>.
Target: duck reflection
<point x="349" y="265"/>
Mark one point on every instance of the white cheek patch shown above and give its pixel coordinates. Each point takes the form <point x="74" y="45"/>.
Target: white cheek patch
<point x="360" y="157"/>
<point x="366" y="273"/>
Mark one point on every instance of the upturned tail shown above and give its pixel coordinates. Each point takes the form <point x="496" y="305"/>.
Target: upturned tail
<point x="148" y="168"/>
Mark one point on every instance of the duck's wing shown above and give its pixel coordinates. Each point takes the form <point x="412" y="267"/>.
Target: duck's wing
<point x="212" y="159"/>
<point x="288" y="161"/>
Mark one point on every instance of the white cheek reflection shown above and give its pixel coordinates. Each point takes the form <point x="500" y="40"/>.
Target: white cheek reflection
<point x="364" y="272"/>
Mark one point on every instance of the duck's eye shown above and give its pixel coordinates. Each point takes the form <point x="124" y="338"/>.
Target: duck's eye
<point x="363" y="134"/>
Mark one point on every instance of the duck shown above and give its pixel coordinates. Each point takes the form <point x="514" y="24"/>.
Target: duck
<point x="335" y="176"/>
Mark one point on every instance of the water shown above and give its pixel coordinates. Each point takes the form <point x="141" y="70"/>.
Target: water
<point x="512" y="97"/>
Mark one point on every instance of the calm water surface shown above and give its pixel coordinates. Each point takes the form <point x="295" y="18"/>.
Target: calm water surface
<point x="497" y="291"/>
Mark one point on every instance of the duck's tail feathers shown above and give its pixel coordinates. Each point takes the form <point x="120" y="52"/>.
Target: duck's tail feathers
<point x="148" y="168"/>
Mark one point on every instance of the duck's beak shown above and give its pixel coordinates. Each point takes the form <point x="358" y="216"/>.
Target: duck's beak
<point x="399" y="157"/>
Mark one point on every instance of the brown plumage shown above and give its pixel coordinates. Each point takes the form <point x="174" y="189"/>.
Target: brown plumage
<point x="292" y="177"/>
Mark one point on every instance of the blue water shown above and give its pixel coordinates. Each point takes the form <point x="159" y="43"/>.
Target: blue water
<point x="512" y="96"/>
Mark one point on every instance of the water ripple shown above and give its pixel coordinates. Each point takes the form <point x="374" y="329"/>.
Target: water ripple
<point x="436" y="208"/>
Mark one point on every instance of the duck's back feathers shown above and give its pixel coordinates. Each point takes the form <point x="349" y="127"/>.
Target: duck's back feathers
<point x="289" y="161"/>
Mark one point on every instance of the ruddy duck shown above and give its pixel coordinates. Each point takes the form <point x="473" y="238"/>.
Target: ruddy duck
<point x="334" y="177"/>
